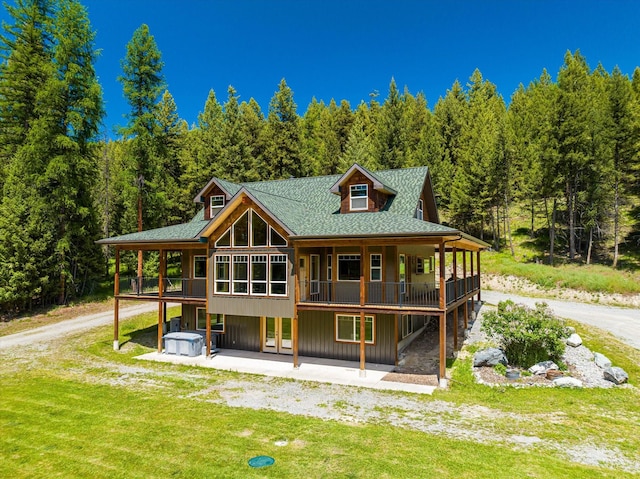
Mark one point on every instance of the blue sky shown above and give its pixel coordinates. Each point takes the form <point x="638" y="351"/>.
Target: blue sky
<point x="347" y="49"/>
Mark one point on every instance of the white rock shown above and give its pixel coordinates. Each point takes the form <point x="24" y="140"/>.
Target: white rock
<point x="601" y="361"/>
<point x="574" y="340"/>
<point x="542" y="367"/>
<point x="567" y="382"/>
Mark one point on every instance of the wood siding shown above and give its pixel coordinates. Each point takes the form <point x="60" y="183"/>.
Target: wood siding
<point x="376" y="200"/>
<point x="215" y="191"/>
<point x="316" y="332"/>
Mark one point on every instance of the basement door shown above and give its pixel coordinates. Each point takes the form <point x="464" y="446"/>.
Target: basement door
<point x="277" y="335"/>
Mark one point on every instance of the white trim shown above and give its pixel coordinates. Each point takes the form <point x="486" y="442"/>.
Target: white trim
<point x="352" y="257"/>
<point x="278" y="258"/>
<point x="259" y="281"/>
<point x="268" y="236"/>
<point x="217" y="207"/>
<point x="330" y="267"/>
<point x="356" y="328"/>
<point x="314" y="283"/>
<point x="420" y="210"/>
<point x="244" y="281"/>
<point x="365" y="197"/>
<point x="371" y="267"/>
<point x="233" y="230"/>
<point x="218" y="259"/>
<point x="228" y="230"/>
<point x="273" y="230"/>
<point x="216" y="315"/>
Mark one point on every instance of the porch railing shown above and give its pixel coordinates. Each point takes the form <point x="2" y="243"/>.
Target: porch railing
<point x="173" y="287"/>
<point x="383" y="293"/>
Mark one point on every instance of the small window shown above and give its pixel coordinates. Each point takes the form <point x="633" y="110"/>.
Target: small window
<point x="419" y="210"/>
<point x="277" y="239"/>
<point x="225" y="240"/>
<point x="419" y="265"/>
<point x="278" y="275"/>
<point x="259" y="274"/>
<point x="348" y="328"/>
<point x="315" y="274"/>
<point x="241" y="231"/>
<point x="329" y="267"/>
<point x="199" y="266"/>
<point x="402" y="276"/>
<point x="376" y="267"/>
<point x="217" y="321"/>
<point x="348" y="267"/>
<point x="259" y="230"/>
<point x="217" y="202"/>
<point x="240" y="274"/>
<point x="223" y="273"/>
<point x="359" y="199"/>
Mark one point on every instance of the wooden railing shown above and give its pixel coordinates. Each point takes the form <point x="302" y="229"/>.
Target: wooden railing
<point x="172" y="287"/>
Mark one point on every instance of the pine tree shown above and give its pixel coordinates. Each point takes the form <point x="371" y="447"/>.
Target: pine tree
<point x="391" y="149"/>
<point x="142" y="83"/>
<point x="361" y="147"/>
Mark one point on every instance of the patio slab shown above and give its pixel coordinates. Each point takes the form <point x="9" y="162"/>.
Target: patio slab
<point x="346" y="373"/>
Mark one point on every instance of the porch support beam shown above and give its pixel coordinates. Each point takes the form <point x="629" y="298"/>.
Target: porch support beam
<point x="455" y="296"/>
<point x="443" y="344"/>
<point x="466" y="290"/>
<point x="443" y="291"/>
<point x="116" y="306"/>
<point x="479" y="287"/>
<point x="206" y="292"/>
<point x="473" y="287"/>
<point x="363" y="251"/>
<point x="296" y="282"/>
<point x="160" y="308"/>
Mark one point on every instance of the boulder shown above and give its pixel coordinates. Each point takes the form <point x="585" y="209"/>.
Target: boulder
<point x="616" y="375"/>
<point x="542" y="367"/>
<point x="571" y="329"/>
<point x="567" y="382"/>
<point x="489" y="357"/>
<point x="574" y="340"/>
<point x="601" y="361"/>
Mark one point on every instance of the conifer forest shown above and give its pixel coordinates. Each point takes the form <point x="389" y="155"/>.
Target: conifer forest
<point x="562" y="147"/>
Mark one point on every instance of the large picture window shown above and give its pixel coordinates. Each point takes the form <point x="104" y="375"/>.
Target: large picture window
<point x="240" y="274"/>
<point x="223" y="273"/>
<point x="348" y="328"/>
<point x="358" y="197"/>
<point x="348" y="267"/>
<point x="278" y="277"/>
<point x="259" y="274"/>
<point x="250" y="230"/>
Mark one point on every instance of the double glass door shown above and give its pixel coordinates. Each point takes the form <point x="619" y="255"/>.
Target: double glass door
<point x="277" y="335"/>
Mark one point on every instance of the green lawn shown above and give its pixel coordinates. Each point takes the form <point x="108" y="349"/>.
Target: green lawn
<point x="68" y="413"/>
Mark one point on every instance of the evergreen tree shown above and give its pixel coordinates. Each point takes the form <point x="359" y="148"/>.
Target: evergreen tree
<point x="283" y="137"/>
<point x="390" y="147"/>
<point x="360" y="146"/>
<point x="253" y="124"/>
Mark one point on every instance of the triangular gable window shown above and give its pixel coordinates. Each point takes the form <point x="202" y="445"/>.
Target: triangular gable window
<point x="259" y="229"/>
<point x="276" y="239"/>
<point x="225" y="240"/>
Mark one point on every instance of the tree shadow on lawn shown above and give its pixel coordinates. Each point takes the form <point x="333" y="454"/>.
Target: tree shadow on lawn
<point x="147" y="337"/>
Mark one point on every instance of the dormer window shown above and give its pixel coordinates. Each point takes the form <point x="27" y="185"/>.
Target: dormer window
<point x="358" y="197"/>
<point x="217" y="202"/>
<point x="420" y="210"/>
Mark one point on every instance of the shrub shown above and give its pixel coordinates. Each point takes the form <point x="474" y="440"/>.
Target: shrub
<point x="526" y="335"/>
<point x="500" y="368"/>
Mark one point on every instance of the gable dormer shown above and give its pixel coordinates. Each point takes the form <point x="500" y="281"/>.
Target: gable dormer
<point x="213" y="197"/>
<point x="361" y="191"/>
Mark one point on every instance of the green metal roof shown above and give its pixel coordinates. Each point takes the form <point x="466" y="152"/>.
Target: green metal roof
<point x="307" y="208"/>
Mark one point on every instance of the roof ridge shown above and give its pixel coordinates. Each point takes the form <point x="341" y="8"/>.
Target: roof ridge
<point x="251" y="189"/>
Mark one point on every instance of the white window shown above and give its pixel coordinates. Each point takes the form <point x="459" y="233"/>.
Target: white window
<point x="278" y="275"/>
<point x="241" y="231"/>
<point x="407" y="325"/>
<point x="348" y="328"/>
<point x="276" y="239"/>
<point x="223" y="273"/>
<point x="358" y="197"/>
<point x="259" y="274"/>
<point x="217" y="321"/>
<point x="348" y="267"/>
<point x="375" y="271"/>
<point x="217" y="202"/>
<point x="315" y="274"/>
<point x="329" y="267"/>
<point x="402" y="276"/>
<point x="225" y="240"/>
<point x="419" y="210"/>
<point x="199" y="266"/>
<point x="240" y="274"/>
<point x="259" y="229"/>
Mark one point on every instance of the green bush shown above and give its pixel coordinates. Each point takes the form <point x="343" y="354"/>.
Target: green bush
<point x="527" y="336"/>
<point x="500" y="368"/>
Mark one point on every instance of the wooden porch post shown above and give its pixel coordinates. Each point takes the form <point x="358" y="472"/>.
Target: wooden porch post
<point x="296" y="275"/>
<point x="362" y="318"/>
<point x="160" y="309"/>
<point x="206" y="304"/>
<point x="464" y="280"/>
<point x="443" y="313"/>
<point x="455" y="296"/>
<point x="116" y="306"/>
<point x="473" y="286"/>
<point x="479" y="288"/>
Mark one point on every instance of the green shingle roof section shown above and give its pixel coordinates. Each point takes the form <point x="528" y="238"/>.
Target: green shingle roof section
<point x="307" y="208"/>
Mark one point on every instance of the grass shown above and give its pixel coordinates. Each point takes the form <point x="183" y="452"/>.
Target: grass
<point x="68" y="413"/>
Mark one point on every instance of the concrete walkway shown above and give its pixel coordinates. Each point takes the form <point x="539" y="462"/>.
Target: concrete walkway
<point x="623" y="323"/>
<point x="81" y="323"/>
<point x="332" y="371"/>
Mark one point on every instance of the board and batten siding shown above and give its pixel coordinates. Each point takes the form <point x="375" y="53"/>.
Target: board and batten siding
<point x="241" y="332"/>
<point x="316" y="338"/>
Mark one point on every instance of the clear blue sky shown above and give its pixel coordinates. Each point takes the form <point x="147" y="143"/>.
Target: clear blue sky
<point x="347" y="49"/>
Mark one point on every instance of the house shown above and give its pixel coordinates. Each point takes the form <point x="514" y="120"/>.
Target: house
<point x="346" y="266"/>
